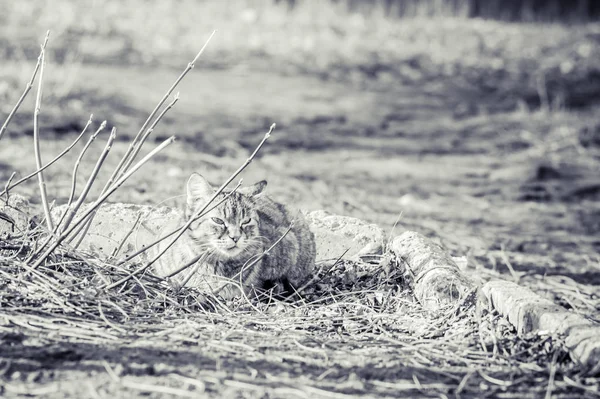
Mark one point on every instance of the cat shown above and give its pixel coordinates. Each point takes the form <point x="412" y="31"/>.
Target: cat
<point x="231" y="238"/>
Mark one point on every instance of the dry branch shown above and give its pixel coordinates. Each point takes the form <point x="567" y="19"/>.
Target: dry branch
<point x="137" y="142"/>
<point x="436" y="278"/>
<point x="124" y="240"/>
<point x="136" y="150"/>
<point x="128" y="158"/>
<point x="36" y="142"/>
<point x="27" y="88"/>
<point x="101" y="200"/>
<point x="90" y="182"/>
<point x="74" y="174"/>
<point x="59" y="156"/>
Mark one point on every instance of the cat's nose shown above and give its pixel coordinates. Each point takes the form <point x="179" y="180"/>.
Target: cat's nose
<point x="235" y="238"/>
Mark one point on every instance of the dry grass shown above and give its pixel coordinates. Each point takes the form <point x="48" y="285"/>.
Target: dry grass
<point x="355" y="330"/>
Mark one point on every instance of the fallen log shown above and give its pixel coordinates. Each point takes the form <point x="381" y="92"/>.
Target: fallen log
<point x="529" y="312"/>
<point x="435" y="278"/>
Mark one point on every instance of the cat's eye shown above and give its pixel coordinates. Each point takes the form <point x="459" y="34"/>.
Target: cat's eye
<point x="218" y="221"/>
<point x="246" y="221"/>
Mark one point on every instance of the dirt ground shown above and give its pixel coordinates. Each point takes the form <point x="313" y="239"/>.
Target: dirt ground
<point x="515" y="190"/>
<point x="477" y="185"/>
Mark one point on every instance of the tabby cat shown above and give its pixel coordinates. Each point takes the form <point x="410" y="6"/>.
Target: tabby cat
<point x="232" y="236"/>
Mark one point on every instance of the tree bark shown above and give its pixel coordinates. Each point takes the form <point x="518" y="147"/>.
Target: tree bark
<point x="435" y="277"/>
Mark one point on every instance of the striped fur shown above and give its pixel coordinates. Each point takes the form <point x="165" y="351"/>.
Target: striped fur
<point x="234" y="234"/>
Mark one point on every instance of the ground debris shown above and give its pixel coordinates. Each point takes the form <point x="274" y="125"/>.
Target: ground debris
<point x="354" y="329"/>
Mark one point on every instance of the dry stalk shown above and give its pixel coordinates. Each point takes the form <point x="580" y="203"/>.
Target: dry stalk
<point x="74" y="174"/>
<point x="101" y="200"/>
<point x="182" y="268"/>
<point x="59" y="156"/>
<point x="36" y="142"/>
<point x="194" y="270"/>
<point x="120" y="169"/>
<point x="136" y="150"/>
<point x="196" y="214"/>
<point x="139" y="139"/>
<point x="82" y="232"/>
<point x="27" y="88"/>
<point x="90" y="182"/>
<point x="120" y="246"/>
<point x="7" y="185"/>
<point x="78" y="161"/>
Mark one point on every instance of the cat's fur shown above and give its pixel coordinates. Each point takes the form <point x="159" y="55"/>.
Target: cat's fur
<point x="234" y="234"/>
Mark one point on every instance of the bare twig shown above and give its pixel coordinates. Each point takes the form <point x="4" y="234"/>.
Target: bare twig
<point x="133" y="150"/>
<point x="182" y="268"/>
<point x="27" y="88"/>
<point x="137" y="143"/>
<point x="120" y="246"/>
<point x="91" y="179"/>
<point x="78" y="161"/>
<point x="36" y="142"/>
<point x="194" y="270"/>
<point x="7" y="186"/>
<point x="136" y="150"/>
<point x="74" y="174"/>
<point x="59" y="156"/>
<point x="196" y="214"/>
<point x="101" y="200"/>
<point x="140" y="138"/>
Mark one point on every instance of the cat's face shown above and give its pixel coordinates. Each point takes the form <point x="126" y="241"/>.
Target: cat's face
<point x="231" y="229"/>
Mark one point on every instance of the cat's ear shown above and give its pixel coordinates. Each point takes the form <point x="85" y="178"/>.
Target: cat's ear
<point x="198" y="189"/>
<point x="254" y="189"/>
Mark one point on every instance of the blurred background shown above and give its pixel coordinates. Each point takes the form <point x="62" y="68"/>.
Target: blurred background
<point x="475" y="122"/>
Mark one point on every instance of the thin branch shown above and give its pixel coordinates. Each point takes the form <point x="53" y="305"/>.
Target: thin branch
<point x="120" y="246"/>
<point x="7" y="186"/>
<point x="27" y="88"/>
<point x="59" y="156"/>
<point x="137" y="149"/>
<point x="68" y="210"/>
<point x="196" y="214"/>
<point x="194" y="271"/>
<point x="141" y="137"/>
<point x="125" y="160"/>
<point x="78" y="162"/>
<point x="101" y="200"/>
<point x="134" y="150"/>
<point x="36" y="142"/>
<point x="91" y="179"/>
<point x="74" y="174"/>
